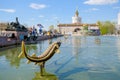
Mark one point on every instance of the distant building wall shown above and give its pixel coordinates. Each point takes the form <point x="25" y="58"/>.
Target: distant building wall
<point x="3" y="26"/>
<point x="76" y="25"/>
<point x="119" y="18"/>
<point x="70" y="28"/>
<point x="118" y="24"/>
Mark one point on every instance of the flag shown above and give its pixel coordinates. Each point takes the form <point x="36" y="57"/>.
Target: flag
<point x="40" y="26"/>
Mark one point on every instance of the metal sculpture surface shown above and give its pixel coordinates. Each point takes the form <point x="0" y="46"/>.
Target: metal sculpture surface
<point x="40" y="60"/>
<point x="16" y="26"/>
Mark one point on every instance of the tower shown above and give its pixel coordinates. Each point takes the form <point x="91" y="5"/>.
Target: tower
<point x="119" y="18"/>
<point x="118" y="22"/>
<point x="76" y="18"/>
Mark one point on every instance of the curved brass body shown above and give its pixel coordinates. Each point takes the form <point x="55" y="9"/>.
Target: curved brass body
<point x="40" y="60"/>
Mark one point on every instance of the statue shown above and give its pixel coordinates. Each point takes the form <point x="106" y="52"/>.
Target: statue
<point x="17" y="20"/>
<point x="16" y="26"/>
<point x="40" y="60"/>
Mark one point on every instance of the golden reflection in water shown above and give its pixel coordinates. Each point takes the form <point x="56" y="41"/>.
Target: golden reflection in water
<point x="46" y="76"/>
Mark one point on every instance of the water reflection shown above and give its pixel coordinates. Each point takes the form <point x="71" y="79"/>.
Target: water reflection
<point x="66" y="41"/>
<point x="40" y="46"/>
<point x="118" y="46"/>
<point x="11" y="55"/>
<point x="100" y="61"/>
<point x="76" y="42"/>
<point x="31" y="47"/>
<point x="97" y="41"/>
<point x="50" y="41"/>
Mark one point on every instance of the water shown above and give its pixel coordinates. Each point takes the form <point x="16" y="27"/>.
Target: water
<point x="80" y="58"/>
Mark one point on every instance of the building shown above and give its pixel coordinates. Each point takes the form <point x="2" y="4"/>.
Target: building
<point x="13" y="30"/>
<point x="118" y="24"/>
<point x="77" y="27"/>
<point x="3" y="26"/>
<point x="76" y="18"/>
<point x="119" y="18"/>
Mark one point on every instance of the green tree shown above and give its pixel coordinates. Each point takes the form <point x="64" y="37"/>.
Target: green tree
<point x="106" y="27"/>
<point x="85" y="27"/>
<point x="51" y="28"/>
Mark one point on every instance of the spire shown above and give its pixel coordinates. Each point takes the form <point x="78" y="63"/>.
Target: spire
<point x="77" y="13"/>
<point x="76" y="18"/>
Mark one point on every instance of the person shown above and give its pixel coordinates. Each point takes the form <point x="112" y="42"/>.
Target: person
<point x="21" y="37"/>
<point x="40" y="31"/>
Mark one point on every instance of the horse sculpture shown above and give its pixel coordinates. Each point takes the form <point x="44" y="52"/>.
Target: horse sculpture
<point x="40" y="60"/>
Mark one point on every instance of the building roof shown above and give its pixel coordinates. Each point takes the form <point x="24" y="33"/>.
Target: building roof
<point x="75" y="25"/>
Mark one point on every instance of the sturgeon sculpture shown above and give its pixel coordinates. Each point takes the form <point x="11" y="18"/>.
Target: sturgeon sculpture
<point x="40" y="60"/>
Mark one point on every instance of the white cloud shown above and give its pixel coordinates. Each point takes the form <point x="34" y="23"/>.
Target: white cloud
<point x="37" y="6"/>
<point x="55" y="17"/>
<point x="41" y="16"/>
<point x="94" y="9"/>
<point x="46" y="19"/>
<point x="32" y="19"/>
<point x="117" y="7"/>
<point x="8" y="10"/>
<point x="100" y="2"/>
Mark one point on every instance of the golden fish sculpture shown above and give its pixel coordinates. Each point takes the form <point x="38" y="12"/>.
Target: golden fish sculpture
<point x="41" y="59"/>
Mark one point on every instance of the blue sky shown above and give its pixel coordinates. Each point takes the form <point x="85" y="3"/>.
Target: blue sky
<point x="49" y="12"/>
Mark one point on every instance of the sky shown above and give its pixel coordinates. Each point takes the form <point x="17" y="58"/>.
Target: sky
<point x="52" y="12"/>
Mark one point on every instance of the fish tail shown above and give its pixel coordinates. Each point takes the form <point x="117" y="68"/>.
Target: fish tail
<point x="22" y="54"/>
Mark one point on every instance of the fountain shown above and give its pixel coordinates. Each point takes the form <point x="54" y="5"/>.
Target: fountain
<point x="40" y="60"/>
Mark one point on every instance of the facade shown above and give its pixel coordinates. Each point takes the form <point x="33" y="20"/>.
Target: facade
<point x="13" y="30"/>
<point x="118" y="24"/>
<point x="119" y="18"/>
<point x="77" y="27"/>
<point x="3" y="26"/>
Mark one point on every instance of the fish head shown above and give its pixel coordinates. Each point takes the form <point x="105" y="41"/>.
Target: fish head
<point x="58" y="44"/>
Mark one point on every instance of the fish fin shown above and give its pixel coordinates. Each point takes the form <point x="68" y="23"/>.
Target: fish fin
<point x="36" y="63"/>
<point x="33" y="55"/>
<point x="23" y="46"/>
<point x="57" y="51"/>
<point x="21" y="55"/>
<point x="28" y="61"/>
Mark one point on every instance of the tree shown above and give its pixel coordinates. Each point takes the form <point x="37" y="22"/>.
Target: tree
<point x="51" y="28"/>
<point x="106" y="27"/>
